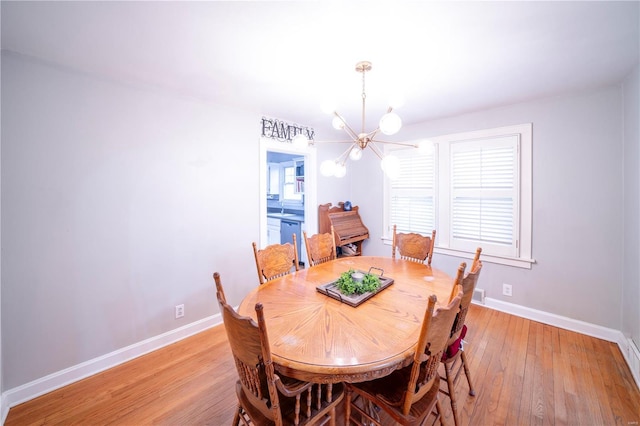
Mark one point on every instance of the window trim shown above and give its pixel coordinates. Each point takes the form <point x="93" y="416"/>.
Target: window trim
<point x="443" y="194"/>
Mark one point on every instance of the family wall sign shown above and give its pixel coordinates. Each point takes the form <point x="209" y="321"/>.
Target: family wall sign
<point x="273" y="128"/>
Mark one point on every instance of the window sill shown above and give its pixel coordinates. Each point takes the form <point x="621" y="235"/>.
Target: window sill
<point x="508" y="261"/>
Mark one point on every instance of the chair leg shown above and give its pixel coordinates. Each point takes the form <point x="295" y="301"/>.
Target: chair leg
<point x="466" y="373"/>
<point x="452" y="393"/>
<point x="332" y="420"/>
<point x="439" y="412"/>
<point x="236" y="417"/>
<point x="347" y="406"/>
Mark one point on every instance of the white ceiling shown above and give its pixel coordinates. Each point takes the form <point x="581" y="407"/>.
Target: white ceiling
<point x="288" y="58"/>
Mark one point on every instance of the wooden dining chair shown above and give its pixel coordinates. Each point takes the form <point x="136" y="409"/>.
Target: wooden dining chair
<point x="454" y="358"/>
<point x="276" y="260"/>
<point x="412" y="246"/>
<point x="410" y="394"/>
<point x="476" y="259"/>
<point x="320" y="247"/>
<point x="265" y="397"/>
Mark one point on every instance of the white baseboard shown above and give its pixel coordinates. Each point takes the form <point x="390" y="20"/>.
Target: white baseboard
<point x="632" y="356"/>
<point x="54" y="381"/>
<point x="4" y="407"/>
<point x="593" y="330"/>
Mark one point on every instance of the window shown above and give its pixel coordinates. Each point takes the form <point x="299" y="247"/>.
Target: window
<point x="289" y="186"/>
<point x="474" y="189"/>
<point x="412" y="195"/>
<point x="484" y="197"/>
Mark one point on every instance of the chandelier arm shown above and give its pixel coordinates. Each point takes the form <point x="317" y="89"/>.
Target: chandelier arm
<point x="413" y="145"/>
<point x="373" y="133"/>
<point x="341" y="141"/>
<point x="376" y="150"/>
<point x="347" y="128"/>
<point x="342" y="158"/>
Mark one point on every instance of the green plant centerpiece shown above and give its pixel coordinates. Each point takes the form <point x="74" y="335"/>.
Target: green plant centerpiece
<point x="348" y="285"/>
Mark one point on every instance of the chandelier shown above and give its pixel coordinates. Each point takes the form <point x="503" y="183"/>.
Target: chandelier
<point x="389" y="124"/>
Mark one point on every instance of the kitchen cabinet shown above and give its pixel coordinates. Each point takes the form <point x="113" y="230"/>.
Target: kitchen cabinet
<point x="280" y="230"/>
<point x="273" y="178"/>
<point x="273" y="231"/>
<point x="298" y="166"/>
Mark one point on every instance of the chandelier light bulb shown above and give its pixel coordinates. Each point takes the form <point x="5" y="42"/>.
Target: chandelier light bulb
<point x="327" y="168"/>
<point x="390" y="164"/>
<point x="390" y="123"/>
<point x="356" y="153"/>
<point x="299" y="141"/>
<point x="338" y="124"/>
<point x="340" y="170"/>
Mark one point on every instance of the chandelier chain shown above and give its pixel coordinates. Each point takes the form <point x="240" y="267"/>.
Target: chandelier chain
<point x="364" y="97"/>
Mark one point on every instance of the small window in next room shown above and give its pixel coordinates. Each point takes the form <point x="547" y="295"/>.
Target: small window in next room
<point x="290" y="186"/>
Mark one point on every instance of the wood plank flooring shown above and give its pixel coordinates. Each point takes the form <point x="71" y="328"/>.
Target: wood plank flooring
<point x="524" y="373"/>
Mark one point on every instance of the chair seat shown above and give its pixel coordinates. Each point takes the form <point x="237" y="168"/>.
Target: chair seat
<point x="455" y="347"/>
<point x="389" y="391"/>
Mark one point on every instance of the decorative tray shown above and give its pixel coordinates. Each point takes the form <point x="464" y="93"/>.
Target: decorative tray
<point x="331" y="290"/>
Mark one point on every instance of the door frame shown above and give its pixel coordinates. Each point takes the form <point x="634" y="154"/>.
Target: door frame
<point x="310" y="185"/>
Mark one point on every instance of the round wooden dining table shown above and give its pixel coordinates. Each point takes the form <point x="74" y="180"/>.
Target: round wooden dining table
<point x="317" y="338"/>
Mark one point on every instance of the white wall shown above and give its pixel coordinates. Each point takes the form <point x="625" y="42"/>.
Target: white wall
<point x="631" y="284"/>
<point x="577" y="205"/>
<point x="117" y="204"/>
<point x="330" y="189"/>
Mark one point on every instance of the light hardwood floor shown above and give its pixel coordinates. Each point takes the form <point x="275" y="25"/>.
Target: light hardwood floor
<point x="524" y="372"/>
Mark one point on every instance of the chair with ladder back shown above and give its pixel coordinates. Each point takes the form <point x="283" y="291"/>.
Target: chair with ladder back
<point x="454" y="359"/>
<point x="320" y="247"/>
<point x="264" y="396"/>
<point x="410" y="394"/>
<point x="412" y="246"/>
<point x="276" y="260"/>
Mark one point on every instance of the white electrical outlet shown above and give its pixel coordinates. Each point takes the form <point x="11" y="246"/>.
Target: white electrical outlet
<point x="507" y="290"/>
<point x="179" y="311"/>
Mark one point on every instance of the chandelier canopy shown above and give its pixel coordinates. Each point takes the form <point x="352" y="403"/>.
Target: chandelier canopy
<point x="389" y="124"/>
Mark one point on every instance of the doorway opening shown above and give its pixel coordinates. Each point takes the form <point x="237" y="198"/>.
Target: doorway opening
<point x="288" y="199"/>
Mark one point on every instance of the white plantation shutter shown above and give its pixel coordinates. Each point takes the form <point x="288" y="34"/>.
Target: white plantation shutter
<point x="475" y="190"/>
<point x="412" y="200"/>
<point x="484" y="195"/>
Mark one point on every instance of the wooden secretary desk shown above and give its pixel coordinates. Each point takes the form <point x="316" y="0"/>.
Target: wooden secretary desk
<point x="347" y="226"/>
